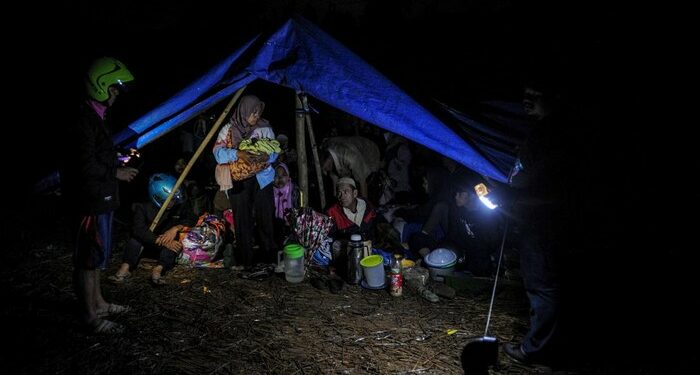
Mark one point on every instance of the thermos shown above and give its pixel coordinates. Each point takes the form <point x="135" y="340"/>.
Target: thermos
<point x="354" y="256"/>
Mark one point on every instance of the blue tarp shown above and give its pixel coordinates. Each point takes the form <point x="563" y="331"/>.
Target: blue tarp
<point x="303" y="57"/>
<point x="496" y="128"/>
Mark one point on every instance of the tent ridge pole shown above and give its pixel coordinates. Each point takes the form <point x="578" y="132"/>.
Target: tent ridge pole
<point x="189" y="165"/>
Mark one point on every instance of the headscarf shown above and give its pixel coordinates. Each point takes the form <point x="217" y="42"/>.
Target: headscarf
<point x="240" y="128"/>
<point x="283" y="195"/>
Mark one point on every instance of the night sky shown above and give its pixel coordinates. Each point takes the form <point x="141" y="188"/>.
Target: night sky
<point x="458" y="52"/>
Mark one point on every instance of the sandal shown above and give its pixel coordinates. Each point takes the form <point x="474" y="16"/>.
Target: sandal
<point x="119" y="278"/>
<point x="113" y="309"/>
<point x="105" y="327"/>
<point x="158" y="281"/>
<point x="259" y="275"/>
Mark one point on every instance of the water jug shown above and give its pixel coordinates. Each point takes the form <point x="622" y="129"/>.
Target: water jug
<point x="294" y="263"/>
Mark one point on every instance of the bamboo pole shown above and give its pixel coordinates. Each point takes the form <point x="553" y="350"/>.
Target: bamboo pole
<point x="189" y="165"/>
<point x="314" y="150"/>
<point x="301" y="150"/>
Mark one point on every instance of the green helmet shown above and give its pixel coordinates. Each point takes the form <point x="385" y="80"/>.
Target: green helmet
<point x="105" y="72"/>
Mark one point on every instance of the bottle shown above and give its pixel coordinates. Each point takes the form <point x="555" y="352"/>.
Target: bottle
<point x="395" y="276"/>
<point x="354" y="257"/>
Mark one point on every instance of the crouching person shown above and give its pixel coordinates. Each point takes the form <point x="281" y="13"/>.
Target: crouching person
<point x="163" y="242"/>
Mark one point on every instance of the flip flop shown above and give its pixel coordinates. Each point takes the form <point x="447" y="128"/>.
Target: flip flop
<point x="158" y="281"/>
<point x="261" y="274"/>
<point x="105" y="327"/>
<point x="113" y="309"/>
<point x="118" y="278"/>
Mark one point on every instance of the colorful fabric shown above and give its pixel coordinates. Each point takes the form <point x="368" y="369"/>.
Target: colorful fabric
<point x="201" y="242"/>
<point x="310" y="228"/>
<point x="283" y="195"/>
<point x="230" y="137"/>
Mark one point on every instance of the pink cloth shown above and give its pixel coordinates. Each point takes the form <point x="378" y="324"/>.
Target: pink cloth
<point x="283" y="195"/>
<point x="222" y="174"/>
<point x="99" y="108"/>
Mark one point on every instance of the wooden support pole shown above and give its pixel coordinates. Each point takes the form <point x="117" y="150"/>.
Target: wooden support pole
<point x="189" y="165"/>
<point x="314" y="150"/>
<point x="303" y="179"/>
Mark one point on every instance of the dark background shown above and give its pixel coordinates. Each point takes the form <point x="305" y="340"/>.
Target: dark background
<point x="459" y="52"/>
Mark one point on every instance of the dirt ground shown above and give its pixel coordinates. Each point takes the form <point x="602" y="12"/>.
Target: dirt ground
<point x="210" y="321"/>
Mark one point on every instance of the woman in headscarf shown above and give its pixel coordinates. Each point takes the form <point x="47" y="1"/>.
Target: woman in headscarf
<point x="287" y="195"/>
<point x="252" y="193"/>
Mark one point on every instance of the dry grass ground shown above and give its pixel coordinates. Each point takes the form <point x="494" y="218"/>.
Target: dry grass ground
<point x="213" y="322"/>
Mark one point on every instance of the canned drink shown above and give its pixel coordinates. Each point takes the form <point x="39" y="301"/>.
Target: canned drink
<point x="396" y="285"/>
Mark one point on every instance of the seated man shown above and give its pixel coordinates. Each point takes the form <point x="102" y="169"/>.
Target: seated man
<point x="351" y="214"/>
<point x="463" y="225"/>
<point x="163" y="241"/>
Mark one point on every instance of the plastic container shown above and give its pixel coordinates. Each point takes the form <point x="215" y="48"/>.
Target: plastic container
<point x="319" y="259"/>
<point x="407" y="263"/>
<point x="373" y="269"/>
<point x="294" y="263"/>
<point x="439" y="274"/>
<point x="386" y="255"/>
<point x="441" y="258"/>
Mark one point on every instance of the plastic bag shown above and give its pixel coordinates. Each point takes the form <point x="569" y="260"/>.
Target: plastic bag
<point x="201" y="242"/>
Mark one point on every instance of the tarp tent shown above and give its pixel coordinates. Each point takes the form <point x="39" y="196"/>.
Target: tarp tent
<point x="496" y="128"/>
<point x="303" y="57"/>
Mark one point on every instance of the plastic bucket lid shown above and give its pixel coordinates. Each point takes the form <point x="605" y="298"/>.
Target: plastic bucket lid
<point x="373" y="270"/>
<point x="441" y="258"/>
<point x="293" y="251"/>
<point x="372" y="261"/>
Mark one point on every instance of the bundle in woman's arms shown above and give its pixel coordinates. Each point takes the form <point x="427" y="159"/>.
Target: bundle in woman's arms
<point x="253" y="155"/>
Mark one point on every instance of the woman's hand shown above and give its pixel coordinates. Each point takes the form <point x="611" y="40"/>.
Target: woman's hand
<point x="250" y="158"/>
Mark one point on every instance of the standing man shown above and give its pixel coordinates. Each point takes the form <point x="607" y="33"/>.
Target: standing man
<point x="90" y="179"/>
<point x="545" y="183"/>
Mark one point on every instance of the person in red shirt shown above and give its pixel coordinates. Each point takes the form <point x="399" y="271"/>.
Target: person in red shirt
<point x="351" y="214"/>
